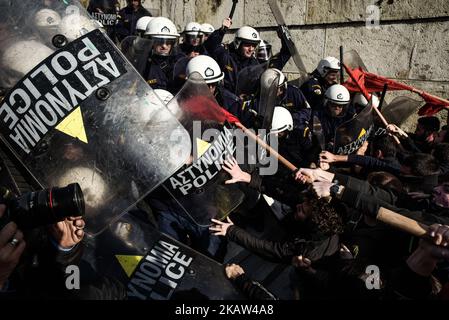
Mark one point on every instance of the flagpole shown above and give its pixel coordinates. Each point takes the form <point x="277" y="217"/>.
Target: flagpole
<point x="401" y="222"/>
<point x="368" y="98"/>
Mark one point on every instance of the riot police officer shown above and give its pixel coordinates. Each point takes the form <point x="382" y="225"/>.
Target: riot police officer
<point x="207" y="29"/>
<point x="335" y="112"/>
<point x="193" y="40"/>
<point x="325" y="75"/>
<point x="159" y="68"/>
<point x="141" y="25"/>
<point x="240" y="54"/>
<point x="209" y="69"/>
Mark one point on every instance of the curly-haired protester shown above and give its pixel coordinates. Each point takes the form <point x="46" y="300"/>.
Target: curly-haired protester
<point x="316" y="234"/>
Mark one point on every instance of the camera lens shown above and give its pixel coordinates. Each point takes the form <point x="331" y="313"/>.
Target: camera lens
<point x="66" y="201"/>
<point x="47" y="206"/>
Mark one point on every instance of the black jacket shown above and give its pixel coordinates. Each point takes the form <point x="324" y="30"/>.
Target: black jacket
<point x="41" y="272"/>
<point x="253" y="290"/>
<point x="368" y="199"/>
<point x="313" y="249"/>
<point x="126" y="25"/>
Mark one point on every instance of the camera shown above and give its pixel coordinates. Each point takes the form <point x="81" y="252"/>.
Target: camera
<point x="40" y="208"/>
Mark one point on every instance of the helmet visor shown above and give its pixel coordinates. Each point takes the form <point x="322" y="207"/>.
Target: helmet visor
<point x="163" y="41"/>
<point x="162" y="46"/>
<point x="193" y="39"/>
<point x="249" y="42"/>
<point x="264" y="53"/>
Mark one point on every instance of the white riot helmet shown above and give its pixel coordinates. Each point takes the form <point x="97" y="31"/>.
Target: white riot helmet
<point x="74" y="26"/>
<point x="23" y="56"/>
<point x="359" y="99"/>
<point x="246" y="35"/>
<point x="164" y="95"/>
<point x="207" y="28"/>
<point x="162" y="31"/>
<point x="162" y="28"/>
<point x="264" y="51"/>
<point x="282" y="120"/>
<point x="267" y="77"/>
<point x="193" y="28"/>
<point x="337" y="94"/>
<point x="328" y="64"/>
<point x="337" y="99"/>
<point x="47" y="21"/>
<point x="207" y="67"/>
<point x="193" y="34"/>
<point x="142" y="23"/>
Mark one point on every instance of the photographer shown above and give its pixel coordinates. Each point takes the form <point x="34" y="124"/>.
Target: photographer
<point x="11" y="249"/>
<point x="38" y="271"/>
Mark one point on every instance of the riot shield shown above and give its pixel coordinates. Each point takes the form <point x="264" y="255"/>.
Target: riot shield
<point x="199" y="186"/>
<point x="153" y="266"/>
<point x="400" y="109"/>
<point x="350" y="136"/>
<point x="105" y="12"/>
<point x="288" y="39"/>
<point x="268" y="96"/>
<point x="28" y="30"/>
<point x="248" y="79"/>
<point x="353" y="60"/>
<point x="179" y="73"/>
<point x="82" y="114"/>
<point x="137" y="50"/>
<point x="318" y="133"/>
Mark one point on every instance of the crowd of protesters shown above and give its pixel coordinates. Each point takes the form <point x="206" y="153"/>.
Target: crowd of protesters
<point x="332" y="235"/>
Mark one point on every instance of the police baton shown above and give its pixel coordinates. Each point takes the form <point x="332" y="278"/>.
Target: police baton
<point x="234" y="4"/>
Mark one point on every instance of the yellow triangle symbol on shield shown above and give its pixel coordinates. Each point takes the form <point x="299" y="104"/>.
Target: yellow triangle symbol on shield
<point x="73" y="125"/>
<point x="362" y="133"/>
<point x="128" y="263"/>
<point x="201" y="147"/>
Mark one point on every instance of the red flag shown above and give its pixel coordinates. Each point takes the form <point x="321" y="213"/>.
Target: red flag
<point x="206" y="108"/>
<point x="375" y="83"/>
<point x="432" y="105"/>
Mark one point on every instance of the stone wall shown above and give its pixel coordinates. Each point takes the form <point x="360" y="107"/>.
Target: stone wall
<point x="411" y="43"/>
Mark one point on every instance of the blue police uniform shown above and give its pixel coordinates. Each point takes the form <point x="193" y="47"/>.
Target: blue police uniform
<point x="329" y="125"/>
<point x="314" y="89"/>
<point x="159" y="71"/>
<point x="228" y="101"/>
<point x="229" y="60"/>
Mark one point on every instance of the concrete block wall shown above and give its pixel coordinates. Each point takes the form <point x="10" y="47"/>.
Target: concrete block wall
<point x="411" y="43"/>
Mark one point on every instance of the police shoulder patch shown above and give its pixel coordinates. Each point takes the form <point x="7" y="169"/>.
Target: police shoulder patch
<point x="317" y="92"/>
